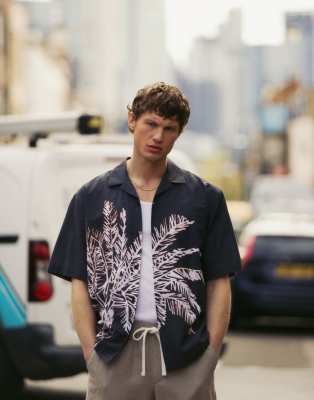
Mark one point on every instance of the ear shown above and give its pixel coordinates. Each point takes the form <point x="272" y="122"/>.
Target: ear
<point x="131" y="121"/>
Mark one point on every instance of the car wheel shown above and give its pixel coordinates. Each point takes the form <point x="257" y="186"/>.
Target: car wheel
<point x="11" y="383"/>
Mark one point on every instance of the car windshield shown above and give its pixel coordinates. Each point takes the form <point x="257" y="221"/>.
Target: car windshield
<point x="287" y="247"/>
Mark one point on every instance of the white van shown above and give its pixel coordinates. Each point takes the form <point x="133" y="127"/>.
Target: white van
<point x="37" y="339"/>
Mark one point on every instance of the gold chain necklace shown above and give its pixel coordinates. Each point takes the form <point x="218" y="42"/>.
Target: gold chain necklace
<point x="145" y="189"/>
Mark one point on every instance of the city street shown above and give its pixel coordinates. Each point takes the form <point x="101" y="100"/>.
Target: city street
<point x="260" y="363"/>
<point x="148" y="151"/>
<point x="268" y="364"/>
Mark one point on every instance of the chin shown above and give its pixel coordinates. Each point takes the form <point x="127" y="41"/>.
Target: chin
<point x="154" y="157"/>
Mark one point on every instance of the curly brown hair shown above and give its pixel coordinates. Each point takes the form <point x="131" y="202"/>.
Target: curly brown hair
<point x="163" y="99"/>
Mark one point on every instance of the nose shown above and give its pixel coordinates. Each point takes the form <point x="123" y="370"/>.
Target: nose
<point x="158" y="135"/>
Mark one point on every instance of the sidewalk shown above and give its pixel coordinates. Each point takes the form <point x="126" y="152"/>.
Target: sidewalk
<point x="260" y="383"/>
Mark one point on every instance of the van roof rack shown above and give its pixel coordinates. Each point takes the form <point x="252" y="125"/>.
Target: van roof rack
<point x="61" y="139"/>
<point x="39" y="126"/>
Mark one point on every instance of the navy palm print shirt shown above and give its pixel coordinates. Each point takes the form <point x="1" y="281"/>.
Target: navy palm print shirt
<point x="193" y="242"/>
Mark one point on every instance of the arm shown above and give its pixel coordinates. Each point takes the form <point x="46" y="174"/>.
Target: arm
<point x="83" y="316"/>
<point x="218" y="310"/>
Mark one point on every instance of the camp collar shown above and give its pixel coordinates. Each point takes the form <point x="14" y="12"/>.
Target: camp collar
<point x="119" y="176"/>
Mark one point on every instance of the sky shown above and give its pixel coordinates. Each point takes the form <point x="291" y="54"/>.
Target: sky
<point x="263" y="21"/>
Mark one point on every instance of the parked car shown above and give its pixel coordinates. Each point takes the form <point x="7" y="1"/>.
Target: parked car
<point x="277" y="279"/>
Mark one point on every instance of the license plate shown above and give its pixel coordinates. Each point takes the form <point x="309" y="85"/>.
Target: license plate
<point x="295" y="271"/>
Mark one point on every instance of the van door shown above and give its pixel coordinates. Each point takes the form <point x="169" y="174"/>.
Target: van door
<point x="59" y="173"/>
<point x="14" y="207"/>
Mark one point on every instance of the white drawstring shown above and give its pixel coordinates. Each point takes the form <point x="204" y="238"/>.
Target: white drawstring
<point x="143" y="332"/>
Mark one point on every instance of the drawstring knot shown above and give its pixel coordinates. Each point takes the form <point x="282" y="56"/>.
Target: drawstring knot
<point x="140" y="334"/>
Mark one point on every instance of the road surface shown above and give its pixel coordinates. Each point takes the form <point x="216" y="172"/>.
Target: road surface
<point x="260" y="363"/>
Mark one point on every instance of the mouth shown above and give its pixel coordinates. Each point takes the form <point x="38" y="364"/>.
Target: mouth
<point x="154" y="149"/>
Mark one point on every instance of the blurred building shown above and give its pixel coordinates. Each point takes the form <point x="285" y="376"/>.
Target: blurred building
<point x="300" y="30"/>
<point x="214" y="81"/>
<point x="33" y="59"/>
<point x="226" y="80"/>
<point x="267" y="67"/>
<point x="205" y="102"/>
<point x="3" y="59"/>
<point x="301" y="149"/>
<point x="147" y="60"/>
<point x="97" y="45"/>
<point x="47" y="75"/>
<point x="116" y="47"/>
<point x="44" y="16"/>
<point x="13" y="27"/>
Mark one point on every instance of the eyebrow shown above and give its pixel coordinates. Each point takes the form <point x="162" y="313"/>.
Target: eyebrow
<point x="171" y="124"/>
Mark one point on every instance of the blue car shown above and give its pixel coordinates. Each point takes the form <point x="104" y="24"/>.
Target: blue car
<point x="28" y="350"/>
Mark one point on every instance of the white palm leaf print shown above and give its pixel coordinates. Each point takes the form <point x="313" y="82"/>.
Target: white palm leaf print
<point x="113" y="270"/>
<point x="172" y="290"/>
<point x="178" y="306"/>
<point x="166" y="235"/>
<point x="126" y="286"/>
<point x="93" y="258"/>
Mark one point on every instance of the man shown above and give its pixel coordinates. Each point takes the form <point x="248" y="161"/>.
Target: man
<point x="149" y="249"/>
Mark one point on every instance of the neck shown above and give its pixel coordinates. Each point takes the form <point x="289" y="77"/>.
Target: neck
<point x="145" y="171"/>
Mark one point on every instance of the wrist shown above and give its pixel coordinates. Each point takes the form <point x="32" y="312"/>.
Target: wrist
<point x="215" y="342"/>
<point x="87" y="350"/>
<point x="216" y="347"/>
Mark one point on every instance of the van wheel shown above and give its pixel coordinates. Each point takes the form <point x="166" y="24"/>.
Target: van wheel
<point x="11" y="383"/>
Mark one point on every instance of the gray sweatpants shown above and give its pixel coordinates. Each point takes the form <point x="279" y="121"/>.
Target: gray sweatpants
<point x="123" y="378"/>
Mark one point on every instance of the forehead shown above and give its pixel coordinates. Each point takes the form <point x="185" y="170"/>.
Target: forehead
<point x="159" y="119"/>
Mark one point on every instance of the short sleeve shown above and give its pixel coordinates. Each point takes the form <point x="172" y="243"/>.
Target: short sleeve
<point x="68" y="259"/>
<point x="221" y="254"/>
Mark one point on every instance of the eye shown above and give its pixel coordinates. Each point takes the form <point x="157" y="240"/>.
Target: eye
<point x="170" y="128"/>
<point x="152" y="124"/>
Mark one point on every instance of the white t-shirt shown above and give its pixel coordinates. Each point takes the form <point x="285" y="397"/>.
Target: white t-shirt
<point x="146" y="306"/>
